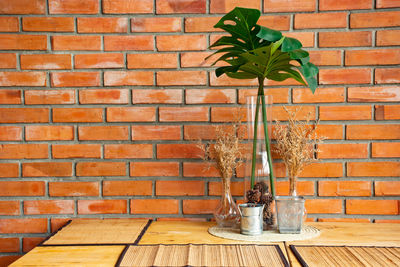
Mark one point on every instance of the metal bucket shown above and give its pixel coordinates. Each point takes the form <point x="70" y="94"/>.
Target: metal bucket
<point x="251" y="222"/>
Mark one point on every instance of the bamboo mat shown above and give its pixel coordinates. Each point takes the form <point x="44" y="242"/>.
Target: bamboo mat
<point x="346" y="256"/>
<point x="102" y="232"/>
<point x="203" y="255"/>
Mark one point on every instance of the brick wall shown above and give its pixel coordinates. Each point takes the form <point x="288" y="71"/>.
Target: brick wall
<point x="100" y="98"/>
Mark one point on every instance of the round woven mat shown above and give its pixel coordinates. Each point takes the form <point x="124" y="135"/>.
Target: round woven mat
<point x="267" y="236"/>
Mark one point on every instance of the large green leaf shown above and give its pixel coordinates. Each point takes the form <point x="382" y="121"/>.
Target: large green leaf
<point x="290" y="44"/>
<point x="269" y="34"/>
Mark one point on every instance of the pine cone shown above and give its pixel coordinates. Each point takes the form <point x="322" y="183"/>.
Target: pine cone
<point x="253" y="196"/>
<point x="261" y="186"/>
<point x="266" y="199"/>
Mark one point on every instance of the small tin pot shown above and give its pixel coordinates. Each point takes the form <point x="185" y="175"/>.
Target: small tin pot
<point x="251" y="222"/>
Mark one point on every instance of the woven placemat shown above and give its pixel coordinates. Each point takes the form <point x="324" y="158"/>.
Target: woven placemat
<point x="307" y="232"/>
<point x="203" y="255"/>
<point x="321" y="256"/>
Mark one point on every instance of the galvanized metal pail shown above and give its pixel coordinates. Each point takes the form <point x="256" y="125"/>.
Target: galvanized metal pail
<point x="251" y="222"/>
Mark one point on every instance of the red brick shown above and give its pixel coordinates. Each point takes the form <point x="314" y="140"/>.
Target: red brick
<point x="156" y="132"/>
<point x="76" y="151"/>
<point x="227" y="114"/>
<point x="10" y="133"/>
<point x="201" y="24"/>
<point x="324" y="206"/>
<point x="325" y="169"/>
<point x="125" y="151"/>
<point x="9" y="208"/>
<point x="344" y="39"/>
<point x="57" y="223"/>
<point x="74" y="42"/>
<point x="388" y="37"/>
<point x="279" y="113"/>
<point x="382" y="168"/>
<point x="226" y="81"/>
<point x="45" y="61"/>
<point x="23" y="226"/>
<point x="103" y="25"/>
<point x="73" y="7"/>
<point x="199" y="206"/>
<point x="10" y="96"/>
<point x="154" y="96"/>
<point x="77" y="115"/>
<point x="180" y="6"/>
<point x="127" y="6"/>
<point x="144" y="169"/>
<point x="344" y="76"/>
<point x="277" y="22"/>
<point x="36" y="207"/>
<point x="375" y="19"/>
<point x="33" y="78"/>
<point x="181" y="42"/>
<point x="387" y="3"/>
<point x="387" y="188"/>
<point x="368" y="132"/>
<point x="100" y="168"/>
<point x="373" y="94"/>
<point x="175" y="151"/>
<point x="344" y="5"/>
<point x="372" y="206"/>
<point x="289" y="5"/>
<point x="152" y="61"/>
<point x="118" y="78"/>
<point x="171" y="78"/>
<point x="180" y="188"/>
<point x="200" y="169"/>
<point x="47" y="132"/>
<point x="105" y="206"/>
<point x="7" y="260"/>
<point x="99" y="61"/>
<point x="73" y="79"/>
<point x="303" y="188"/>
<point x="154" y="206"/>
<point x="73" y="189"/>
<point x="198" y="59"/>
<point x="344" y="188"/>
<point x="326" y="57"/>
<point x="29" y="243"/>
<point x="387" y="75"/>
<point x="127" y="188"/>
<point x="345" y="113"/>
<point x="391" y="112"/>
<point x="104" y="96"/>
<point x="210" y="96"/>
<point x="8" y="170"/>
<point x="19" y="188"/>
<point x="46" y="169"/>
<point x="386" y="150"/>
<point x="48" y="24"/>
<point x="279" y="95"/>
<point x="322" y="95"/>
<point x="131" y="114"/>
<point x="215" y="188"/>
<point x="351" y="220"/>
<point x="23" y="151"/>
<point x="373" y="57"/>
<point x="10" y="244"/>
<point x="24" y="115"/>
<point x="225" y="6"/>
<point x="339" y="151"/>
<point x="23" y="7"/>
<point x="8" y="61"/>
<point x="124" y="43"/>
<point x="183" y="114"/>
<point x="199" y="132"/>
<point x="320" y="20"/>
<point x="43" y="97"/>
<point x="306" y="38"/>
<point x="103" y="133"/>
<point x="156" y="24"/>
<point x="9" y="24"/>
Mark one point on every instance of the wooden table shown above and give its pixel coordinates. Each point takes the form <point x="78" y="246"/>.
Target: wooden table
<point x="183" y="232"/>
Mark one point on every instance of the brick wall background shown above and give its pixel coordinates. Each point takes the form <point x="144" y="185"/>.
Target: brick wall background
<point x="99" y="100"/>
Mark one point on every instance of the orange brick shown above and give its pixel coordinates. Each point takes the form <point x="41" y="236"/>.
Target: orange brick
<point x="131" y="114"/>
<point x="279" y="113"/>
<point x="344" y="76"/>
<point x="322" y="95"/>
<point x="199" y="206"/>
<point x="344" y="188"/>
<point x="19" y="188"/>
<point x="320" y="20"/>
<point x="128" y="151"/>
<point x="200" y="169"/>
<point x="352" y="220"/>
<point x="386" y="221"/>
<point x="73" y="189"/>
<point x="201" y="24"/>
<point x="210" y="96"/>
<point x="156" y="24"/>
<point x="22" y="226"/>
<point x="180" y="188"/>
<point x="144" y="169"/>
<point x="326" y="169"/>
<point x="344" y="5"/>
<point x="373" y="57"/>
<point x="57" y="223"/>
<point x="373" y="94"/>
<point x="51" y="133"/>
<point x="103" y="133"/>
<point x="74" y="42"/>
<point x="279" y="95"/>
<point x="45" y="61"/>
<point x="306" y="38"/>
<point x="172" y="151"/>
<point x="29" y="243"/>
<point x="375" y="19"/>
<point x="77" y="115"/>
<point x="382" y="168"/>
<point x="182" y="219"/>
<point x="215" y="188"/>
<point x="227" y="114"/>
<point x="181" y="42"/>
<point x="387" y="188"/>
<point x="72" y="79"/>
<point x="9" y="208"/>
<point x="100" y="168"/>
<point x="225" y="6"/>
<point x="127" y="188"/>
<point x="326" y="57"/>
<point x="123" y="43"/>
<point x="345" y="113"/>
<point x="46" y="169"/>
<point x="198" y="59"/>
<point x="391" y="112"/>
<point x="152" y="61"/>
<point x="7" y="260"/>
<point x="127" y="6"/>
<point x="105" y="206"/>
<point x="24" y="151"/>
<point x="388" y="37"/>
<point x="181" y="6"/>
<point x="118" y="78"/>
<point x="102" y="25"/>
<point x="277" y="22"/>
<point x="33" y="78"/>
<point x="24" y="115"/>
<point x="8" y="170"/>
<point x="104" y="96"/>
<point x="289" y="6"/>
<point x="386" y="150"/>
<point x="303" y="188"/>
<point x="48" y="24"/>
<point x="73" y="7"/>
<point x="154" y="206"/>
<point x="10" y="96"/>
<point x="23" y="7"/>
<point x="372" y="206"/>
<point x="171" y="78"/>
<point x="324" y="206"/>
<point x="226" y="81"/>
<point x="10" y="133"/>
<point x="387" y="75"/>
<point x="344" y="39"/>
<point x="368" y="132"/>
<point x="76" y="151"/>
<point x="156" y="132"/>
<point x="387" y="3"/>
<point x="339" y="151"/>
<point x="183" y="114"/>
<point x="36" y="207"/>
<point x="9" y="24"/>
<point x="199" y="132"/>
<point x="99" y="61"/>
<point x="157" y="96"/>
<point x="43" y="97"/>
<point x="8" y="61"/>
<point x="9" y="244"/>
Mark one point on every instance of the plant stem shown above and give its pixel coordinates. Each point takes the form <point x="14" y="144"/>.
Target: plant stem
<point x="254" y="158"/>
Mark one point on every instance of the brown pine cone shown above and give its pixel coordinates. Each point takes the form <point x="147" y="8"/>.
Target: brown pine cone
<point x="253" y="196"/>
<point x="261" y="186"/>
<point x="266" y="199"/>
